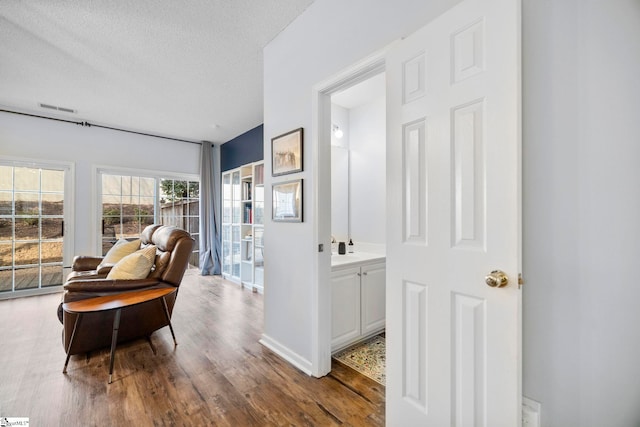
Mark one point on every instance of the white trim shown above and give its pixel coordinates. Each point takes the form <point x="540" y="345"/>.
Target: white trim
<point x="31" y="292"/>
<point x="31" y="162"/>
<point x="320" y="134"/>
<point x="70" y="224"/>
<point x="96" y="196"/>
<point x="320" y="322"/>
<point x="287" y="354"/>
<point x="147" y="173"/>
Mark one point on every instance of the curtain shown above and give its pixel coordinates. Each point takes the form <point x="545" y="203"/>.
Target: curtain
<point x="209" y="209"/>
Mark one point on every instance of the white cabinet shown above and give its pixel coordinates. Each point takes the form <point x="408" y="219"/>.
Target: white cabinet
<point x="373" y="281"/>
<point x="345" y="307"/>
<point x="231" y="225"/>
<point x="357" y="303"/>
<point x="243" y="209"/>
<point x="258" y="226"/>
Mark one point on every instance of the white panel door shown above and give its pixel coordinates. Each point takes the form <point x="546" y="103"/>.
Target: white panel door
<point x="453" y="165"/>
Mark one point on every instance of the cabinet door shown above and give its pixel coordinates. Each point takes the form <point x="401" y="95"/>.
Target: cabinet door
<point x="235" y="251"/>
<point x="373" y="298"/>
<point x="345" y="307"/>
<point x="258" y="256"/>
<point x="235" y="197"/>
<point x="226" y="223"/>
<point x="226" y="249"/>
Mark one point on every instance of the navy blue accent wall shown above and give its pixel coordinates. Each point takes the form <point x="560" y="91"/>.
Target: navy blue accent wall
<point x="243" y="149"/>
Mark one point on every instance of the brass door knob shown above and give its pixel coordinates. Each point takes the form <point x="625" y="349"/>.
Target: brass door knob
<point x="497" y="279"/>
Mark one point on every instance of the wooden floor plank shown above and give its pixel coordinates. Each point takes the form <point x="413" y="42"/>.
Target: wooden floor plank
<point x="218" y="374"/>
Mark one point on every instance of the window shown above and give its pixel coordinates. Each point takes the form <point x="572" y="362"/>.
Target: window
<point x="130" y="203"/>
<point x="128" y="206"/>
<point x="32" y="214"/>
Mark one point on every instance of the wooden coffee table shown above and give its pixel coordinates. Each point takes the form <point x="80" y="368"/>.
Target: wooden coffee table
<point x="115" y="302"/>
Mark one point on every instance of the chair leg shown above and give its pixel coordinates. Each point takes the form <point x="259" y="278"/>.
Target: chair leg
<point x="153" y="347"/>
<point x="114" y="340"/>
<point x="166" y="312"/>
<point x="73" y="334"/>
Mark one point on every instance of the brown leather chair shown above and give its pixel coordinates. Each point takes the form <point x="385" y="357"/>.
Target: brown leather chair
<point x="89" y="267"/>
<point x="173" y="250"/>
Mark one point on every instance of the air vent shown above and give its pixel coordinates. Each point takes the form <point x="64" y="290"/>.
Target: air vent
<point x="54" y="107"/>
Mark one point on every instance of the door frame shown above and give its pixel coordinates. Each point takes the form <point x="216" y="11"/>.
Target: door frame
<point x="321" y="149"/>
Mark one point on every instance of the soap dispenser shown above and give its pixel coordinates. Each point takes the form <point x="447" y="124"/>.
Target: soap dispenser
<point x="351" y="246"/>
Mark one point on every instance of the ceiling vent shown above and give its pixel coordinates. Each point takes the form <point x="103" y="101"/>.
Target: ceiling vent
<point x="54" y="107"/>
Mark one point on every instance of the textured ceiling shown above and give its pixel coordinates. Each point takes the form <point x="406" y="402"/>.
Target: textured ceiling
<point x="188" y="69"/>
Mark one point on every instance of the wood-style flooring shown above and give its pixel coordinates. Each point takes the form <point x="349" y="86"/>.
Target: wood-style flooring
<point x="219" y="374"/>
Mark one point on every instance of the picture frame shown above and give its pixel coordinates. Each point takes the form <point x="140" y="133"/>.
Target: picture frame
<point x="286" y="153"/>
<point x="287" y="201"/>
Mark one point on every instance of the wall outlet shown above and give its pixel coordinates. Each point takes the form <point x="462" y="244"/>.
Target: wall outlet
<point x="530" y="413"/>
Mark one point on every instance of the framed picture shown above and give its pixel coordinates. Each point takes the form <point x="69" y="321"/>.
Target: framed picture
<point x="287" y="201"/>
<point x="286" y="153"/>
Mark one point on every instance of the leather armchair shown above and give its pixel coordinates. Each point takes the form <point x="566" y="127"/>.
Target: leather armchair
<point x="88" y="267"/>
<point x="173" y="250"/>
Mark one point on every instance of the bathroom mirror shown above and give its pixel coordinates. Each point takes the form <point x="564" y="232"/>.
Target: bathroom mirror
<point x="340" y="193"/>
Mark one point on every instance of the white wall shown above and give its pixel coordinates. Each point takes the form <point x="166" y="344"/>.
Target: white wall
<point x="340" y="117"/>
<point x="582" y="210"/>
<point x="581" y="202"/>
<point x="368" y="158"/>
<point x="328" y="37"/>
<point x="30" y="138"/>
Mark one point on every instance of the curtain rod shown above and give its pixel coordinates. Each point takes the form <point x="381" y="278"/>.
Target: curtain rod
<point x="87" y="124"/>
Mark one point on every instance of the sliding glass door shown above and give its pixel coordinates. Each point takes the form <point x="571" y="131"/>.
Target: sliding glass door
<point x="180" y="206"/>
<point x="32" y="214"/>
<point x="129" y="203"/>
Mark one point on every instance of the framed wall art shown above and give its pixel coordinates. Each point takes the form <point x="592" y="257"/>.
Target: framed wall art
<point x="286" y="153"/>
<point x="287" y="201"/>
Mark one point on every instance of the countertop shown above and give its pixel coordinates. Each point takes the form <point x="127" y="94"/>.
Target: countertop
<point x="355" y="258"/>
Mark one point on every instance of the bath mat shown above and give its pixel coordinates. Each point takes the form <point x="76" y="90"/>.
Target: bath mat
<point x="368" y="358"/>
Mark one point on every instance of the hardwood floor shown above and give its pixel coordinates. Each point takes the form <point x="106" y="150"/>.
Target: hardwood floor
<point x="217" y="375"/>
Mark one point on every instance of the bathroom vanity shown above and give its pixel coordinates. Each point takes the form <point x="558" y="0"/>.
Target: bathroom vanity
<point x="357" y="297"/>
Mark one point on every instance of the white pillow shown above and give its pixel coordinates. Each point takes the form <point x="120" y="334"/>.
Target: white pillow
<point x="121" y="249"/>
<point x="134" y="266"/>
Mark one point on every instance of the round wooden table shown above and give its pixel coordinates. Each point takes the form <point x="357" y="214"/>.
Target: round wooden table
<point x="115" y="302"/>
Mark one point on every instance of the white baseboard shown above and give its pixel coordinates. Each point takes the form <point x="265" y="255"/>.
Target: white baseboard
<point x="287" y="354"/>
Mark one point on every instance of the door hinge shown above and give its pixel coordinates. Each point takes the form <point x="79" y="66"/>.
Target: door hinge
<point x="520" y="280"/>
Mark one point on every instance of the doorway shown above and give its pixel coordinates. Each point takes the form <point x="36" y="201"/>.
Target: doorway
<point x="354" y="91"/>
<point x="358" y="225"/>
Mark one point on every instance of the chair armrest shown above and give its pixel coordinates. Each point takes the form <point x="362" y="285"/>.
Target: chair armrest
<point x="109" y="285"/>
<point x="86" y="263"/>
